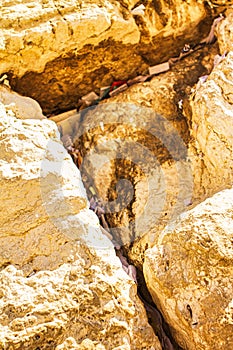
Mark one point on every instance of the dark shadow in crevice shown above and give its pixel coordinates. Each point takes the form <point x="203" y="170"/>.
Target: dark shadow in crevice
<point x="155" y="318"/>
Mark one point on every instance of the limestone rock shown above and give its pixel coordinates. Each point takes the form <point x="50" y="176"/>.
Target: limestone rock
<point x="37" y="34"/>
<point x="127" y="160"/>
<point x="216" y="3"/>
<point x="23" y="107"/>
<point x="190" y="275"/>
<point x="212" y="124"/>
<point x="224" y="33"/>
<point x="62" y="286"/>
<point x="59" y="52"/>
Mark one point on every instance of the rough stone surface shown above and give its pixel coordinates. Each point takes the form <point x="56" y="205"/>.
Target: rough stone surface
<point x="23" y="107"/>
<point x="212" y="125"/>
<point x="62" y="286"/>
<point x="216" y="3"/>
<point x="190" y="275"/>
<point x="57" y="51"/>
<point x="224" y="33"/>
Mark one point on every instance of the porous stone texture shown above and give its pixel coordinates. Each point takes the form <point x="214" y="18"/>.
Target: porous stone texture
<point x="23" y="107"/>
<point x="190" y="275"/>
<point x="212" y="125"/>
<point x="219" y="3"/>
<point x="224" y="33"/>
<point x="125" y="159"/>
<point x="62" y="286"/>
<point x="57" y="51"/>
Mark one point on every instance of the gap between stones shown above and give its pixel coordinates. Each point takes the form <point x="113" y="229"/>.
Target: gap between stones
<point x="155" y="318"/>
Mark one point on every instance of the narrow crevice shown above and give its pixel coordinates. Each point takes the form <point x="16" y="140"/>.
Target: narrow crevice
<point x="155" y="318"/>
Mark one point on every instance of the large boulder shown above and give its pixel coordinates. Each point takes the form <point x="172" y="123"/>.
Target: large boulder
<point x="190" y="275"/>
<point x="23" y="107"/>
<point x="224" y="33"/>
<point x="62" y="286"/>
<point x="212" y="123"/>
<point x="58" y="51"/>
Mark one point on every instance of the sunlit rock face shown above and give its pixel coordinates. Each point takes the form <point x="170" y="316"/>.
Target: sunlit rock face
<point x="212" y="125"/>
<point x="190" y="275"/>
<point x="224" y="33"/>
<point x="128" y="165"/>
<point x="62" y="286"/>
<point x="216" y="3"/>
<point x="57" y="52"/>
<point x="23" y="107"/>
